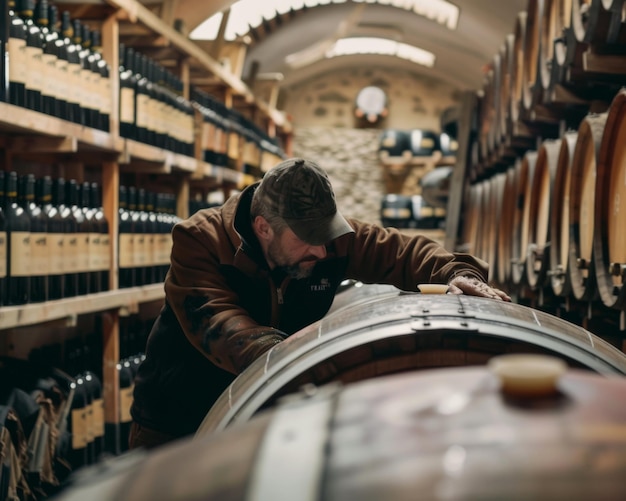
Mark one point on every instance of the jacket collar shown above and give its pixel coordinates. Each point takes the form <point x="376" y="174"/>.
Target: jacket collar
<point x="236" y="213"/>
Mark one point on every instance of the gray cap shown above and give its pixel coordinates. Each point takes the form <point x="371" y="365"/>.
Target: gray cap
<point x="300" y="192"/>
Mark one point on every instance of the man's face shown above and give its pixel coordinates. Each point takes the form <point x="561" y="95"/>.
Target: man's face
<point x="295" y="257"/>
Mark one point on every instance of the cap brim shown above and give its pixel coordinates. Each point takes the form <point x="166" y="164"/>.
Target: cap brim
<point x="320" y="231"/>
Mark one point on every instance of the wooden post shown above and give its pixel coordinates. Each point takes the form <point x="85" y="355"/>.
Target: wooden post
<point x="455" y="196"/>
<point x="110" y="52"/>
<point x="110" y="381"/>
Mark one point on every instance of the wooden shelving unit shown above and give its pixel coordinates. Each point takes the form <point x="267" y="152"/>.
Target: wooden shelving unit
<point x="32" y="136"/>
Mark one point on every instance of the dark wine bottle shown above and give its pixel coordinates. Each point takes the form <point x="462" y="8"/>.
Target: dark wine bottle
<point x="74" y="96"/>
<point x="47" y="61"/>
<point x="126" y="241"/>
<point x="39" y="252"/>
<point x="63" y="90"/>
<point x="70" y="260"/>
<point x="3" y="243"/>
<point x="17" y="57"/>
<point x="94" y="281"/>
<point x="152" y="235"/>
<point x="51" y="84"/>
<point x="127" y="92"/>
<point x="83" y="230"/>
<point x="142" y="99"/>
<point x="17" y="224"/>
<point x="34" y="53"/>
<point x="55" y="237"/>
<point x="102" y="228"/>
<point x="101" y="67"/>
<point x="84" y="77"/>
<point x="138" y="237"/>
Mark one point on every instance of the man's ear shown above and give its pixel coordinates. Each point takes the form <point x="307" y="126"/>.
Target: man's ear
<point x="262" y="228"/>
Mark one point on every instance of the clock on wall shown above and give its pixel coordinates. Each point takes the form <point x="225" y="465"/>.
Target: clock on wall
<point x="371" y="104"/>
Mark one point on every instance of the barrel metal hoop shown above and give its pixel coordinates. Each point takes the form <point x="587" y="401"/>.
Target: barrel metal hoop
<point x="291" y="458"/>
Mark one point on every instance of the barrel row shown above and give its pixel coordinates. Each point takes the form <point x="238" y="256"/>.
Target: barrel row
<point x="563" y="60"/>
<point x="554" y="217"/>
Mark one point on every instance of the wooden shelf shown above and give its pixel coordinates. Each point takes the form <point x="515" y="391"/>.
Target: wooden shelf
<point x="37" y="313"/>
<point x="137" y="13"/>
<point x="26" y="123"/>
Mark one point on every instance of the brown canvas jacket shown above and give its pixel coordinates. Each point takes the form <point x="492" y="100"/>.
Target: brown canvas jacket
<point x="222" y="299"/>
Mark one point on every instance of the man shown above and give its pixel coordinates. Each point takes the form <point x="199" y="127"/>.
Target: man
<point x="247" y="275"/>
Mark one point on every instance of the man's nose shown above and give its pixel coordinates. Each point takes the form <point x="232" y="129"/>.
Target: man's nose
<point x="319" y="251"/>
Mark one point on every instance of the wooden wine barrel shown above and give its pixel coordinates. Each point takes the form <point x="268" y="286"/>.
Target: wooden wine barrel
<point x="525" y="168"/>
<point x="483" y="230"/>
<point x="493" y="222"/>
<point x="505" y="233"/>
<point x="555" y="19"/>
<point x="559" y="218"/>
<point x="609" y="245"/>
<point x="393" y="332"/>
<point x="540" y="206"/>
<point x="602" y="21"/>
<point x="507" y="60"/>
<point x="436" y="434"/>
<point x="471" y="215"/>
<point x="531" y="85"/>
<point x="581" y="208"/>
<point x="517" y="73"/>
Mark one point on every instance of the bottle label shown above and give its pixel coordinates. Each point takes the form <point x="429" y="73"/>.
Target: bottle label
<point x="95" y="252"/>
<point x="127" y="106"/>
<point x="83" y="252"/>
<point x="140" y="250"/>
<point x="127" y="250"/>
<point x="34" y="78"/>
<point x="98" y="418"/>
<point x="3" y="254"/>
<point x="17" y="56"/>
<point x="89" y="424"/>
<point x="56" y="244"/>
<point x="62" y="72"/>
<point x="108" y="95"/>
<point x="49" y="84"/>
<point x="105" y="253"/>
<point x="79" y="428"/>
<point x="72" y="256"/>
<point x="142" y="111"/>
<point x="126" y="401"/>
<point x="39" y="253"/>
<point x="21" y="265"/>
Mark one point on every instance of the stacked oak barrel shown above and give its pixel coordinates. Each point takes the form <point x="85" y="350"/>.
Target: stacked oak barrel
<point x="547" y="159"/>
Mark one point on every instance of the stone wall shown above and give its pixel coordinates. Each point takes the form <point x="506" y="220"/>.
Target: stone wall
<point x="349" y="157"/>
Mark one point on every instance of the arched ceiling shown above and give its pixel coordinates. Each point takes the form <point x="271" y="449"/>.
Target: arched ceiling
<point x="460" y="54"/>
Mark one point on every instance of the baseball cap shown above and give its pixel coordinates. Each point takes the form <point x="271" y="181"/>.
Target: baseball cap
<point x="300" y="192"/>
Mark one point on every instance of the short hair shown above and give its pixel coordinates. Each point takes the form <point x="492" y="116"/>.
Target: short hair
<point x="258" y="208"/>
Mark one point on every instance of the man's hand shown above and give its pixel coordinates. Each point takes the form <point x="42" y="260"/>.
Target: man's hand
<point x="474" y="287"/>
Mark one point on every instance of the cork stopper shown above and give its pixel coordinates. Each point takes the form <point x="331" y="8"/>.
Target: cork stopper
<point x="433" y="288"/>
<point x="528" y="375"/>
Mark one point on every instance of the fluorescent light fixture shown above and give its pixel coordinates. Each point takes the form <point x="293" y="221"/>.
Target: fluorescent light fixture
<point x="382" y="46"/>
<point x="250" y="13"/>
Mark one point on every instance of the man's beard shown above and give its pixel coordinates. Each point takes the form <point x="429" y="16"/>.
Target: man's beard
<point x="297" y="272"/>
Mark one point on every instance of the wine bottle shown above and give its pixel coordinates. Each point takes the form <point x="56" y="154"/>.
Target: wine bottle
<point x="142" y="99"/>
<point x="70" y="258"/>
<point x="55" y="237"/>
<point x="83" y="230"/>
<point x="34" y="53"/>
<point x="47" y="61"/>
<point x="3" y="243"/>
<point x="86" y="95"/>
<point x="139" y="236"/>
<point x="152" y="235"/>
<point x="102" y="227"/>
<point x="101" y="69"/>
<point x="17" y="57"/>
<point x="126" y="241"/>
<point x="17" y="224"/>
<point x="51" y="63"/>
<point x="74" y="96"/>
<point x="39" y="252"/>
<point x="127" y="92"/>
<point x="93" y="242"/>
<point x="63" y="90"/>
